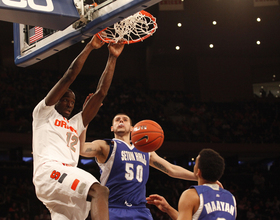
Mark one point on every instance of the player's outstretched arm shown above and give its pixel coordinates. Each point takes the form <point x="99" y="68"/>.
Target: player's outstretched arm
<point x="170" y="169"/>
<point x="104" y="83"/>
<point x="98" y="149"/>
<point x="161" y="203"/>
<point x="72" y="72"/>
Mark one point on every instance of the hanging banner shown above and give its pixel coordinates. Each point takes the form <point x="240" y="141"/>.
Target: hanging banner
<point x="261" y="3"/>
<point x="171" y="5"/>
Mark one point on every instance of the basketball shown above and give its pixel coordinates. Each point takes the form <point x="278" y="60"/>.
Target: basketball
<point x="147" y="136"/>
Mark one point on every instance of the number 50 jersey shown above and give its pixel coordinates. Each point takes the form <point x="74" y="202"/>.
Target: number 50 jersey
<point x="125" y="173"/>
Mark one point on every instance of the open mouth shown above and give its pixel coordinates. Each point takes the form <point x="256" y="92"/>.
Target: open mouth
<point x="68" y="112"/>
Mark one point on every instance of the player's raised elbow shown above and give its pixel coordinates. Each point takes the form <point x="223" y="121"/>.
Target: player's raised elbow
<point x="102" y="93"/>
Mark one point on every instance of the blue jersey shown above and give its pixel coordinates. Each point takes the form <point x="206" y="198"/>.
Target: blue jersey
<point x="125" y="173"/>
<point x="215" y="203"/>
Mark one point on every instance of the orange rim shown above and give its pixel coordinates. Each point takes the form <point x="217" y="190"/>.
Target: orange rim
<point x="147" y="14"/>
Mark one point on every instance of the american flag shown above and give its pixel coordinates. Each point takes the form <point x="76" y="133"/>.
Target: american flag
<point x="35" y="34"/>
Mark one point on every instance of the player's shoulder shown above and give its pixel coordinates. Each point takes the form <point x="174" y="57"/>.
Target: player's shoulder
<point x="190" y="195"/>
<point x="189" y="191"/>
<point x="41" y="109"/>
<point x="108" y="141"/>
<point x="40" y="104"/>
<point x="226" y="191"/>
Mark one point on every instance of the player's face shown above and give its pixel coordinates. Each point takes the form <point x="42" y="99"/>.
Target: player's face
<point x="121" y="124"/>
<point x="66" y="104"/>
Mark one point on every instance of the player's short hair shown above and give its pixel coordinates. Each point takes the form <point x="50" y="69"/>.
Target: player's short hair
<point x="211" y="165"/>
<point x="70" y="90"/>
<point x="123" y="114"/>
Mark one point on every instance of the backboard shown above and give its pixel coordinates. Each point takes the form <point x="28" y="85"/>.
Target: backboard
<point x="33" y="44"/>
<point x="40" y="13"/>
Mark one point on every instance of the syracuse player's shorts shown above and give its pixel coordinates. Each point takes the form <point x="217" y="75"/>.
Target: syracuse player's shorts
<point x="130" y="214"/>
<point x="63" y="189"/>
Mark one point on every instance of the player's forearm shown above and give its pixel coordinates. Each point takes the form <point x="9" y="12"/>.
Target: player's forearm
<point x="96" y="100"/>
<point x="182" y="173"/>
<point x="68" y="78"/>
<point x="77" y="65"/>
<point x="173" y="213"/>
<point x="107" y="76"/>
<point x="87" y="150"/>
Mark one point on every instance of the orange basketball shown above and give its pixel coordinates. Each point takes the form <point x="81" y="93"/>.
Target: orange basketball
<point x="147" y="136"/>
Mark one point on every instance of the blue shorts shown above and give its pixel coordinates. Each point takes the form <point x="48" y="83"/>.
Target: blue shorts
<point x="130" y="214"/>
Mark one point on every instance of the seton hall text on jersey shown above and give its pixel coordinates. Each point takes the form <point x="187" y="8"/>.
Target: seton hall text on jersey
<point x="133" y="156"/>
<point x="63" y="124"/>
<point x="219" y="206"/>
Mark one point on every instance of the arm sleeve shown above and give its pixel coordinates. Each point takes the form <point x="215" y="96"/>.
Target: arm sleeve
<point x="42" y="110"/>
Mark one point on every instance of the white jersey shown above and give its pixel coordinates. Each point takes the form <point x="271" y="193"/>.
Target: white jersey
<point x="59" y="183"/>
<point x="54" y="137"/>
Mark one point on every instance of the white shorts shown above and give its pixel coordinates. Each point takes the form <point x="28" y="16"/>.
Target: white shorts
<point x="63" y="190"/>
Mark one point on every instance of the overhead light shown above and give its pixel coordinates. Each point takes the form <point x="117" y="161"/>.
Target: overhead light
<point x="214" y="22"/>
<point x="211" y="45"/>
<point x="259" y="19"/>
<point x="179" y="24"/>
<point x="258" y="42"/>
<point x="177" y="48"/>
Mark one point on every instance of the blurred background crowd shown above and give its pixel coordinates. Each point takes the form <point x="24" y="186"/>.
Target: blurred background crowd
<point x="183" y="117"/>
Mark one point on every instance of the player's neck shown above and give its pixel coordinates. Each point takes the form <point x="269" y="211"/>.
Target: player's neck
<point x="125" y="138"/>
<point x="203" y="181"/>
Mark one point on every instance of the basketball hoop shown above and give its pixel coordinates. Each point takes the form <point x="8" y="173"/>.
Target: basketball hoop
<point x="132" y="29"/>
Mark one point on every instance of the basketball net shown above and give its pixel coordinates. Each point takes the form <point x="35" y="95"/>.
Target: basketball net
<point x="132" y="29"/>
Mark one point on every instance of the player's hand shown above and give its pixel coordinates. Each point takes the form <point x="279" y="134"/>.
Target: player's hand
<point x="220" y="184"/>
<point x="159" y="202"/>
<point x="96" y="43"/>
<point x="115" y="49"/>
<point x="87" y="98"/>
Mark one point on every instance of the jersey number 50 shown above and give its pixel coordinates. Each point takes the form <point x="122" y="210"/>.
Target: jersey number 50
<point x="130" y="172"/>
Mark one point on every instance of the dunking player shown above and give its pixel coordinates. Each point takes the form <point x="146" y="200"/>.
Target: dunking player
<point x="125" y="170"/>
<point x="59" y="184"/>
<point x="207" y="200"/>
